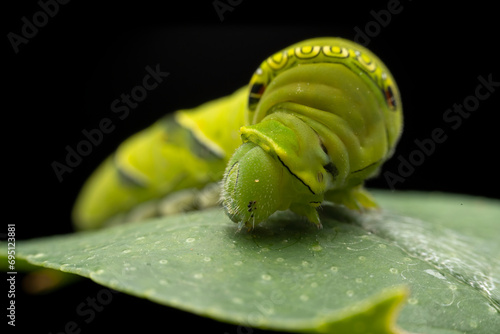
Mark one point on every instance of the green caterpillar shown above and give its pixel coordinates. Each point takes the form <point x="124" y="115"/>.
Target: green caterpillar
<point x="317" y="119"/>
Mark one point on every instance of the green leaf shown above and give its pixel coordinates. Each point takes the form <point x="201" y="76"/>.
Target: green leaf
<point x="350" y="277"/>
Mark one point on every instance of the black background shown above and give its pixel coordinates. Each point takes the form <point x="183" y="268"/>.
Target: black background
<point x="65" y="78"/>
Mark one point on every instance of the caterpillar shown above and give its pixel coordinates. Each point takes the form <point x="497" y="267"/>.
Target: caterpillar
<point x="316" y="120"/>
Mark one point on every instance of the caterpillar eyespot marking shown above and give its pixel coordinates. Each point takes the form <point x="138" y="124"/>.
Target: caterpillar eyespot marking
<point x="303" y="141"/>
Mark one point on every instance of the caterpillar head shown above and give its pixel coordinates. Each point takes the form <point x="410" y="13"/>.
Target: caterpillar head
<point x="265" y="174"/>
<point x="256" y="185"/>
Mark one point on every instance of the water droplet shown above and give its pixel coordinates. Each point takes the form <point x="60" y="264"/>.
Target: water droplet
<point x="334" y="269"/>
<point x="435" y="273"/>
<point x="266" y="277"/>
<point x="452" y="287"/>
<point x="393" y="271"/>
<point x="382" y="246"/>
<point x="349" y="293"/>
<point x="362" y="258"/>
<point x="280" y="259"/>
<point x="163" y="261"/>
<point x="412" y="301"/>
<point x="190" y="239"/>
<point x="99" y="272"/>
<point x="126" y="251"/>
<point x="207" y="259"/>
<point x="316" y="248"/>
<point x="359" y="280"/>
<point x="139" y="238"/>
<point x="238" y="263"/>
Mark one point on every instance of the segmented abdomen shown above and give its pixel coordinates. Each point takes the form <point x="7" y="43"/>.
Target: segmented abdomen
<point x="188" y="149"/>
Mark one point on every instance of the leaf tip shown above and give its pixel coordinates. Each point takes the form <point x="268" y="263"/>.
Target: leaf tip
<point x="377" y="314"/>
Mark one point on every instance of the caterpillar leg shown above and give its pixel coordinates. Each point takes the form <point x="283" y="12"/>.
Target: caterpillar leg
<point x="178" y="202"/>
<point x="309" y="212"/>
<point x="190" y="199"/>
<point x="356" y="198"/>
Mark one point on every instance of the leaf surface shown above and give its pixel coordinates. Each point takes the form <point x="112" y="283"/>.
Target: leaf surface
<point x="438" y="254"/>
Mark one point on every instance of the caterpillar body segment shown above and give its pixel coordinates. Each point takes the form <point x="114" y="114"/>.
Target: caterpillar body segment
<point x="188" y="149"/>
<point x="329" y="113"/>
<point x="316" y="120"/>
